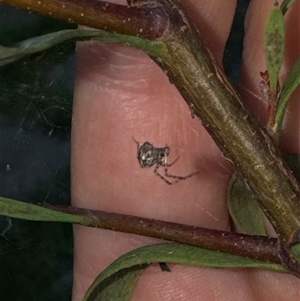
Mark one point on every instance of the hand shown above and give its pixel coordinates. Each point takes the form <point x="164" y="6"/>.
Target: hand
<point x="119" y="94"/>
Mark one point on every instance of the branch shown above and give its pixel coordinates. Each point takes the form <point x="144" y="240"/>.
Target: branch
<point x="259" y="248"/>
<point x="203" y="85"/>
<point x="252" y="246"/>
<point x="149" y="21"/>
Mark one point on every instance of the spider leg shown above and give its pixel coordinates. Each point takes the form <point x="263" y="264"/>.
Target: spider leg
<point x="167" y="175"/>
<point x="179" y="178"/>
<point x="137" y="143"/>
<point x="161" y="176"/>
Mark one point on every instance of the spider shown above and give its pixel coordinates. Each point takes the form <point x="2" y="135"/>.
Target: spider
<point x="149" y="155"/>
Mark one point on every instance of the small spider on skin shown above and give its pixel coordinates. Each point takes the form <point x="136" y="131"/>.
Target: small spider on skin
<point x="149" y="155"/>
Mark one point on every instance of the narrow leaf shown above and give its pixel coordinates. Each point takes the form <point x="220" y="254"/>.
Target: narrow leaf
<point x="37" y="44"/>
<point x="41" y="43"/>
<point x="291" y="83"/>
<point x="244" y="209"/>
<point x="175" y="253"/>
<point x="274" y="41"/>
<point x="119" y="286"/>
<point x="285" y="5"/>
<point x="295" y="250"/>
<point x="27" y="211"/>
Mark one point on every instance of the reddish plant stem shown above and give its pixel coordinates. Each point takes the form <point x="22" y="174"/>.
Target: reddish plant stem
<point x="261" y="248"/>
<point x="150" y="21"/>
<point x="252" y="246"/>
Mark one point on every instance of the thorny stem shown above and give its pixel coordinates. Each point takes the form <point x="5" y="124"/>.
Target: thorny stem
<point x="189" y="65"/>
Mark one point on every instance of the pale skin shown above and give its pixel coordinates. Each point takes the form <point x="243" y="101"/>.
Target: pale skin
<point x="119" y="94"/>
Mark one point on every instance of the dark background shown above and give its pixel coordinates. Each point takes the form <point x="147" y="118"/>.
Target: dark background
<point x="36" y="258"/>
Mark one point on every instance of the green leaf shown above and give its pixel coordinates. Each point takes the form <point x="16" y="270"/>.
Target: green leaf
<point x="285" y="5"/>
<point x="295" y="250"/>
<point x="169" y="252"/>
<point x="119" y="286"/>
<point x="36" y="44"/>
<point x="243" y="204"/>
<point x="41" y="43"/>
<point x="244" y="209"/>
<point x="290" y="85"/>
<point x="274" y="43"/>
<point x="18" y="209"/>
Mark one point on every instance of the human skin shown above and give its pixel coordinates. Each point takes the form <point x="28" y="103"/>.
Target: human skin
<point x="119" y="94"/>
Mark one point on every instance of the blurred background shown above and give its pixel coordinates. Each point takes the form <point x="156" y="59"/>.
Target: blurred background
<point x="36" y="94"/>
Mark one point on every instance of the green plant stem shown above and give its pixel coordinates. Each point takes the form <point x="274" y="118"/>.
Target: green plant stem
<point x="191" y="68"/>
